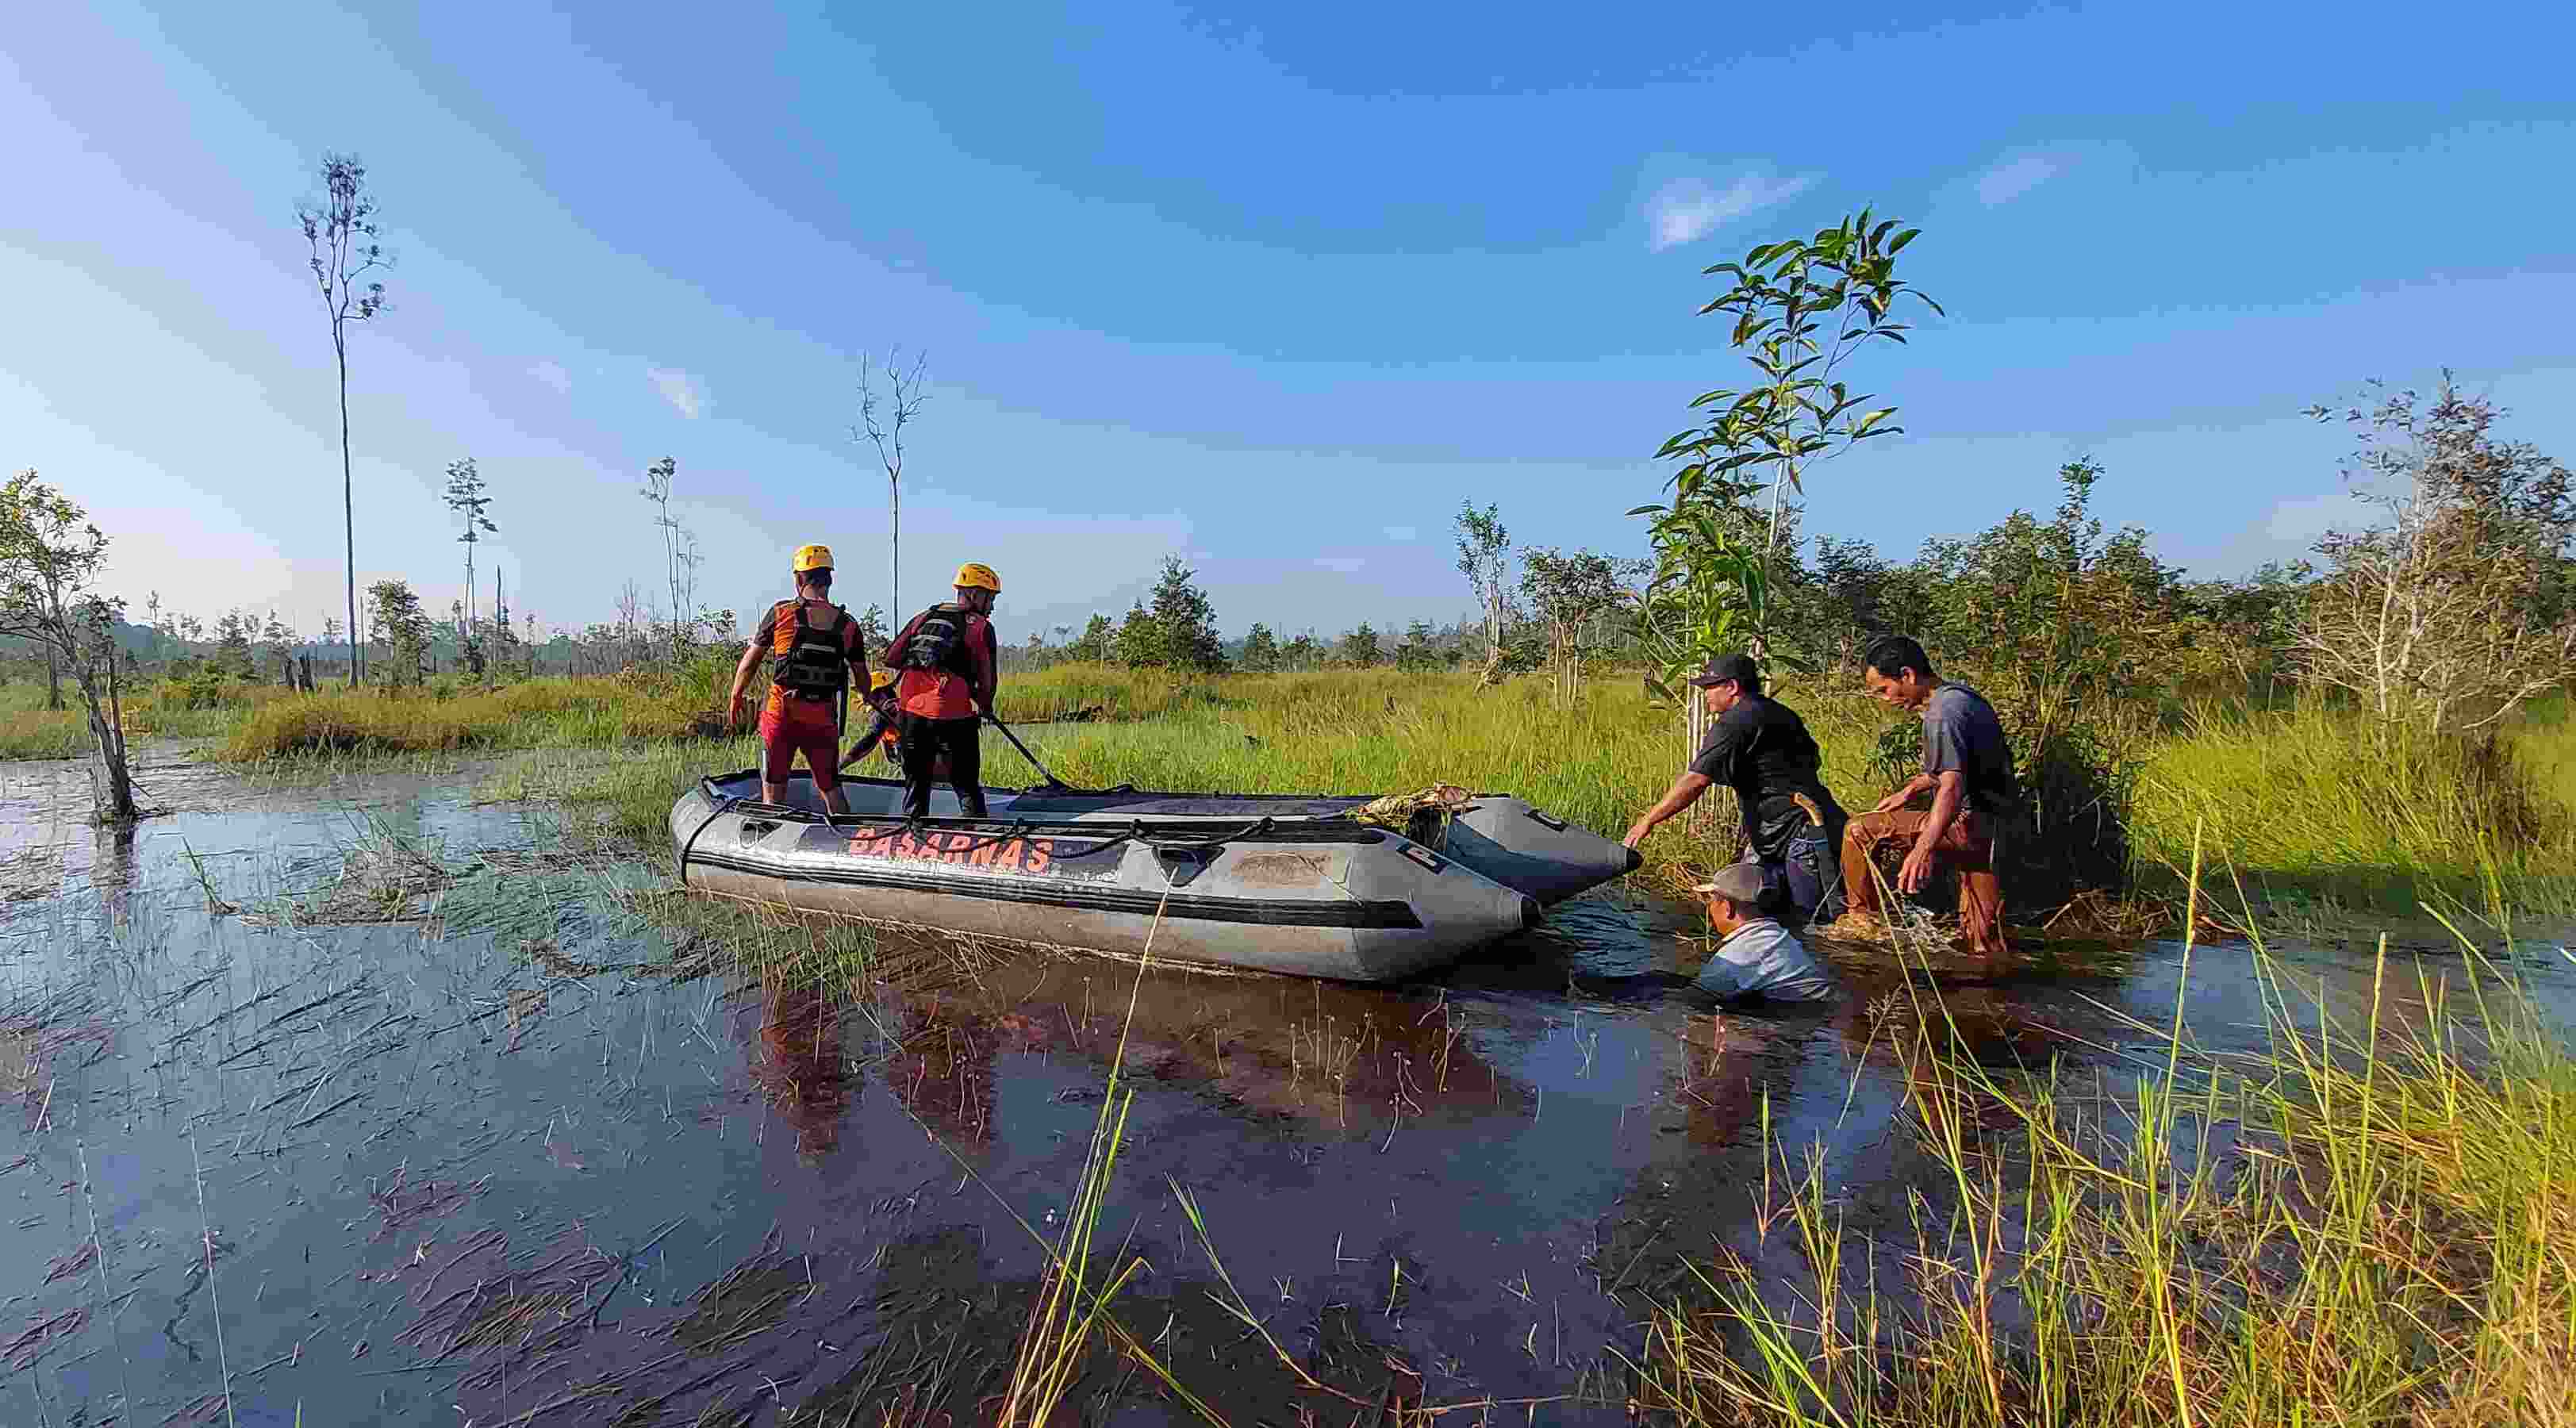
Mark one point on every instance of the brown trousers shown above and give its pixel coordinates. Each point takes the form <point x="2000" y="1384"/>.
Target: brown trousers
<point x="1967" y="845"/>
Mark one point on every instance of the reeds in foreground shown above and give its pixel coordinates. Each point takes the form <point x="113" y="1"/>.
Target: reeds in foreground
<point x="2374" y="1224"/>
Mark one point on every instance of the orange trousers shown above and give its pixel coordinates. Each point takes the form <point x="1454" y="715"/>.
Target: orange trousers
<point x="1967" y="845"/>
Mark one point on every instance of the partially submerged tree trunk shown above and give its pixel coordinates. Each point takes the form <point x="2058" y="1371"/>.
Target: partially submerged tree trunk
<point x="111" y="786"/>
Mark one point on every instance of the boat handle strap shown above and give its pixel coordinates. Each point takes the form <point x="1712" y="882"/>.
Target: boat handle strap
<point x="1209" y="845"/>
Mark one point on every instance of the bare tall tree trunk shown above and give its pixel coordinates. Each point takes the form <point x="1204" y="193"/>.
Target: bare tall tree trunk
<point x="894" y="543"/>
<point x="53" y="682"/>
<point x="348" y="505"/>
<point x="465" y="630"/>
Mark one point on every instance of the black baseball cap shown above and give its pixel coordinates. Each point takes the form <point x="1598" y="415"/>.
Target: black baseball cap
<point x="1726" y="669"/>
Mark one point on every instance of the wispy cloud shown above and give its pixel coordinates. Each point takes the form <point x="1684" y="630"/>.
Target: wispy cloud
<point x="2016" y="176"/>
<point x="2018" y="171"/>
<point x="553" y="375"/>
<point x="1401" y="533"/>
<point x="1689" y="209"/>
<point x="1345" y="564"/>
<point x="685" y="393"/>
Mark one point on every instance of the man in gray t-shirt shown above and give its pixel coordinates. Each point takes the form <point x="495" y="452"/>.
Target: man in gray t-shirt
<point x="1968" y="770"/>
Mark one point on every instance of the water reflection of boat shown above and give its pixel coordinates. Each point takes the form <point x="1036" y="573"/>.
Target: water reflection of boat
<point x="1309" y="1052"/>
<point x="1293" y="885"/>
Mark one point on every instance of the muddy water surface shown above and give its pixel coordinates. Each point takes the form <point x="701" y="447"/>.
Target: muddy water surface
<point x="365" y="1104"/>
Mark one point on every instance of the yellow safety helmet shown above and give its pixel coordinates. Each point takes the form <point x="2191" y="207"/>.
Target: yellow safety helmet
<point x="813" y="557"/>
<point x="879" y="679"/>
<point x="978" y="577"/>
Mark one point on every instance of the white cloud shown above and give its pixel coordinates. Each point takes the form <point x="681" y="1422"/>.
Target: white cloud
<point x="1401" y="533"/>
<point x="2016" y="176"/>
<point x="1688" y="209"/>
<point x="1343" y="563"/>
<point x="681" y="390"/>
<point x="553" y="375"/>
<point x="2017" y="171"/>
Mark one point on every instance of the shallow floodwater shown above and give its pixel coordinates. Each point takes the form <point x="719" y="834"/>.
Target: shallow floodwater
<point x="483" y="1146"/>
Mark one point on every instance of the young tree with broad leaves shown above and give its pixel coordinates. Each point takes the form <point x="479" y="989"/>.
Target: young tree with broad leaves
<point x="50" y="556"/>
<point x="1802" y="308"/>
<point x="340" y="232"/>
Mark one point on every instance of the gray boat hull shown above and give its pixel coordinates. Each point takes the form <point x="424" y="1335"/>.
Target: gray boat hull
<point x="1312" y="897"/>
<point x="1500" y="835"/>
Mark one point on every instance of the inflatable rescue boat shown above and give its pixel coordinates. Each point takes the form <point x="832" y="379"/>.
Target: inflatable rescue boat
<point x="1273" y="883"/>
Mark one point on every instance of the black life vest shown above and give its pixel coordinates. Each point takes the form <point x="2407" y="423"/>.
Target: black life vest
<point x="811" y="662"/>
<point x="939" y="640"/>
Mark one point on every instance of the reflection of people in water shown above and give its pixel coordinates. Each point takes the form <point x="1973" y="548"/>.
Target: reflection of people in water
<point x="801" y="1067"/>
<point x="944" y="1072"/>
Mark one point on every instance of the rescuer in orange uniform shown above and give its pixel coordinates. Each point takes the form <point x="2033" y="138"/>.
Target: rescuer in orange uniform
<point x="947" y="663"/>
<point x="819" y="655"/>
<point x="882" y="736"/>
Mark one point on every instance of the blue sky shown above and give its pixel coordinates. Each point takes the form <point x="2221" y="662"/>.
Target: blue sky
<point x="1272" y="291"/>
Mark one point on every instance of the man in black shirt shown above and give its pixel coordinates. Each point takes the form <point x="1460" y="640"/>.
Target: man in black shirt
<point x="1761" y="750"/>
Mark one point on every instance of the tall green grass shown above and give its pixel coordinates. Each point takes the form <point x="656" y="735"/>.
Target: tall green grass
<point x="1106" y="692"/>
<point x="2306" y="803"/>
<point x="539" y="713"/>
<point x="2310" y="808"/>
<point x="2389" y="1238"/>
